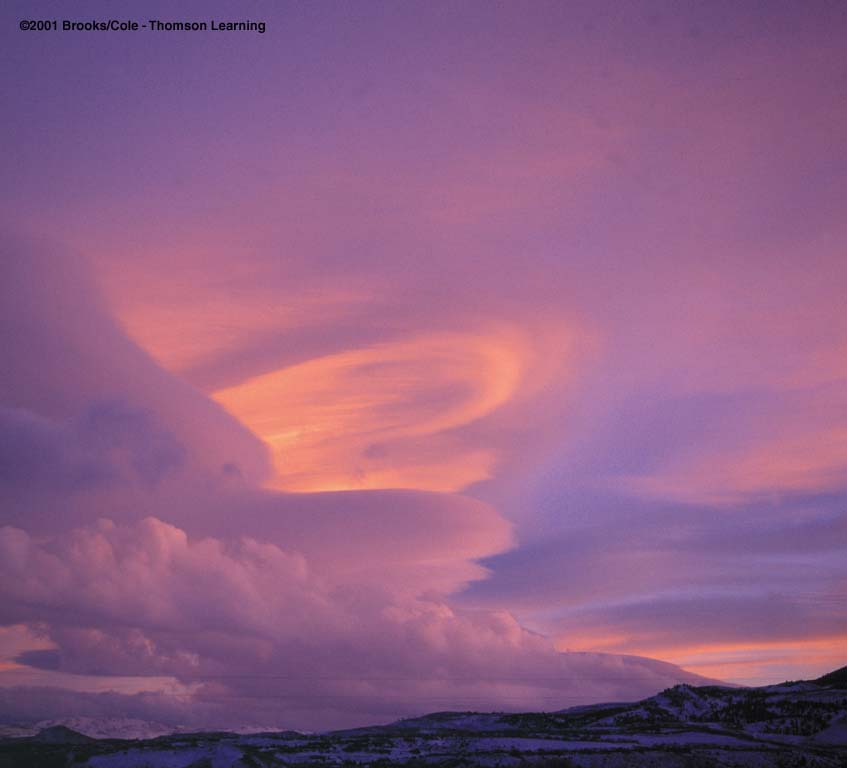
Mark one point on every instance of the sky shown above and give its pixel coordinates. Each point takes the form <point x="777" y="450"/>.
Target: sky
<point x="419" y="356"/>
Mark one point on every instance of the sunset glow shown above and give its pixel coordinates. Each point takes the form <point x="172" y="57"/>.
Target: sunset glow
<point x="376" y="363"/>
<point x="377" y="417"/>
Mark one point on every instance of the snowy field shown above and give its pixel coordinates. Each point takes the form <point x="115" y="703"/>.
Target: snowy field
<point x="787" y="726"/>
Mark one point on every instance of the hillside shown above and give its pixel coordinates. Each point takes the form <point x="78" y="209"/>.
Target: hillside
<point x="787" y="725"/>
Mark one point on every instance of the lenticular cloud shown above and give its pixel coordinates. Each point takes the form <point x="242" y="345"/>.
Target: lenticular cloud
<point x="137" y="541"/>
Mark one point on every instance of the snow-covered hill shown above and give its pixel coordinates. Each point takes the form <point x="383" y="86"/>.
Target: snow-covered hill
<point x="787" y="725"/>
<point x="111" y="728"/>
<point x="97" y="728"/>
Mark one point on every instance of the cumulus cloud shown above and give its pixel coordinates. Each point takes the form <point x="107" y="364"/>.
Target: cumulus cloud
<point x="249" y="621"/>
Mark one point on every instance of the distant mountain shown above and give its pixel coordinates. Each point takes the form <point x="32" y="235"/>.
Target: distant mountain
<point x="112" y="728"/>
<point x="787" y="726"/>
<point x="97" y="728"/>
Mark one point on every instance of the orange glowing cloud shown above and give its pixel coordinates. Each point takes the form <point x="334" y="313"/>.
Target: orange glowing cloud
<point x="750" y="663"/>
<point x="386" y="415"/>
<point x="212" y="323"/>
<point x="757" y="662"/>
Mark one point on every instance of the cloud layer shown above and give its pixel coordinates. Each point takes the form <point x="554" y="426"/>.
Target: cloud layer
<point x="132" y="550"/>
<point x="456" y="338"/>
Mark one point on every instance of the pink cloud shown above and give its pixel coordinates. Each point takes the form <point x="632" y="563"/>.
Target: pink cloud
<point x="586" y="268"/>
<point x="233" y="593"/>
<point x="251" y="620"/>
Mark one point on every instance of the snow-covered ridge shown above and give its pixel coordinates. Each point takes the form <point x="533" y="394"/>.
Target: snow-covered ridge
<point x="111" y="728"/>
<point x="792" y="724"/>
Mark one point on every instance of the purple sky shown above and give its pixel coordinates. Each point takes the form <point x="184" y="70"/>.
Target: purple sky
<point x="369" y="365"/>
